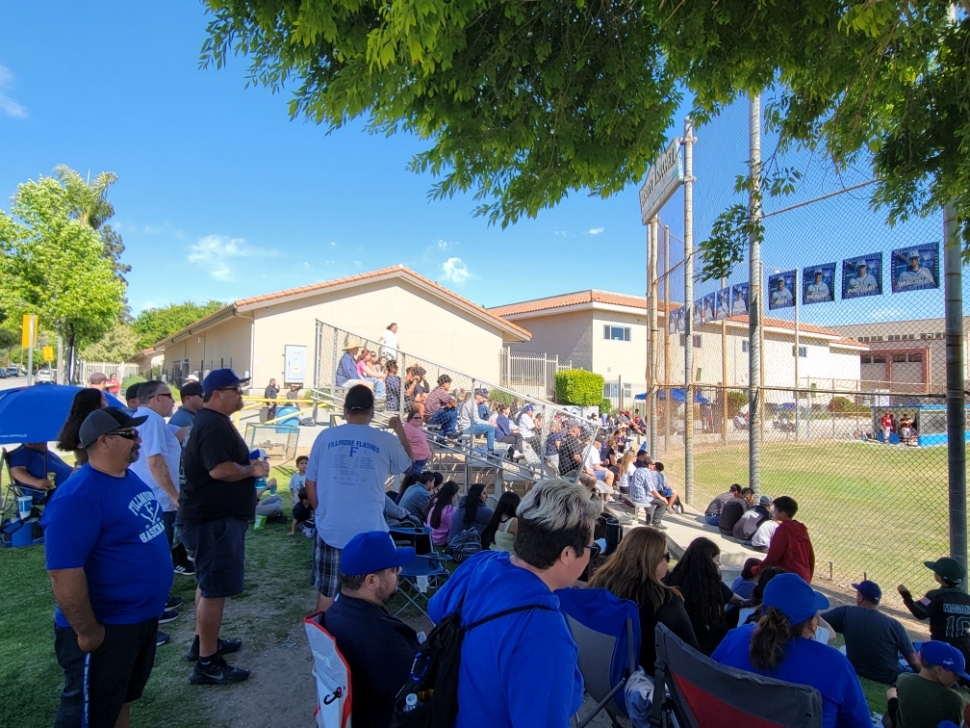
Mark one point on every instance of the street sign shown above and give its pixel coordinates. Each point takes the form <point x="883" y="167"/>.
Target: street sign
<point x="663" y="178"/>
<point x="48" y="352"/>
<point x="28" y="338"/>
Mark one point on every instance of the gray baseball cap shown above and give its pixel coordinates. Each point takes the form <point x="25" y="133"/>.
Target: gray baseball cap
<point x="104" y="422"/>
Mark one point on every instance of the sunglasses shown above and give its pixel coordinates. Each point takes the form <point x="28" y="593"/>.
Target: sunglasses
<point x="164" y="394"/>
<point x="237" y="390"/>
<point x="127" y="434"/>
<point x="594" y="550"/>
<point x="667" y="556"/>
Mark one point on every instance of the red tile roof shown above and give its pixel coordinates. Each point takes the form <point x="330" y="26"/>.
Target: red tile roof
<point x="576" y="299"/>
<point x="807" y="328"/>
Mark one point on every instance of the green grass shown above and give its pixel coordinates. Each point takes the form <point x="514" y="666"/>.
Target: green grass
<point x="276" y="598"/>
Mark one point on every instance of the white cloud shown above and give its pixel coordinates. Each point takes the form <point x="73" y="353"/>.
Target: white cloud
<point x="215" y="252"/>
<point x="560" y="232"/>
<point x="7" y="105"/>
<point x="455" y="271"/>
<point x="594" y="231"/>
<point x="444" y="244"/>
<point x="333" y="243"/>
<point x="885" y="314"/>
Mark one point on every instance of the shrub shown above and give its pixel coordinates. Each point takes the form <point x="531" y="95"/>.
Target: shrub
<point x="606" y="407"/>
<point x="579" y="387"/>
<point x="844" y="404"/>
<point x="499" y="397"/>
<point x="736" y="400"/>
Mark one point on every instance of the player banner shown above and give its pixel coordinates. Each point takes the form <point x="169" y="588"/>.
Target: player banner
<point x="708" y="303"/>
<point x="862" y="276"/>
<point x="916" y="268"/>
<point x="723" y="308"/>
<point x="780" y="289"/>
<point x="818" y="283"/>
<point x="739" y="299"/>
<point x="676" y="322"/>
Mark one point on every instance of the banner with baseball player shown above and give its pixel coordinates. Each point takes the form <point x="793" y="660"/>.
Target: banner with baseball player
<point x="781" y="287"/>
<point x="818" y="283"/>
<point x="708" y="311"/>
<point x="723" y="308"/>
<point x="739" y="299"/>
<point x="676" y="321"/>
<point x="916" y="268"/>
<point x="862" y="276"/>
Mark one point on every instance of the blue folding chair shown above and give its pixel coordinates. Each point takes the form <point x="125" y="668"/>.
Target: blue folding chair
<point x="421" y="578"/>
<point x="607" y="632"/>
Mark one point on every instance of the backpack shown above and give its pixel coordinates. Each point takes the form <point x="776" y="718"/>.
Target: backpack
<point x="464" y="545"/>
<point x="434" y="673"/>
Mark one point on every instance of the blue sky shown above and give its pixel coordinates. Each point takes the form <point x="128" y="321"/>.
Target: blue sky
<point x="221" y="196"/>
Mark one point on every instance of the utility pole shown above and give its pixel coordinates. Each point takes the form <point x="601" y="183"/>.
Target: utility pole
<point x="956" y="449"/>
<point x="688" y="311"/>
<point x="754" y="299"/>
<point x="652" y="321"/>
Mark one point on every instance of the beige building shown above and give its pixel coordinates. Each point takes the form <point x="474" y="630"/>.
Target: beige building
<point x="265" y="336"/>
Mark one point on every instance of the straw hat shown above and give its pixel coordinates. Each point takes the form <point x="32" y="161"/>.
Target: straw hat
<point x="352" y="342"/>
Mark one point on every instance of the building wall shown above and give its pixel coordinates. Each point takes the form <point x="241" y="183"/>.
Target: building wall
<point x="619" y="359"/>
<point x="228" y="343"/>
<point x="568" y="335"/>
<point x="427" y="328"/>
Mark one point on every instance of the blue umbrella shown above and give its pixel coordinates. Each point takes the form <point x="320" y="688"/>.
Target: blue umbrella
<point x="37" y="413"/>
<point x="677" y="395"/>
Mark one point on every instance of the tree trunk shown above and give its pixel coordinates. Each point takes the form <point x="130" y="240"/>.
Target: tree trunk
<point x="71" y="359"/>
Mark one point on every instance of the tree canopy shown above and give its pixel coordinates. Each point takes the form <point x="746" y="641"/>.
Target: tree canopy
<point x="525" y="102"/>
<point x="154" y="324"/>
<point x="119" y="344"/>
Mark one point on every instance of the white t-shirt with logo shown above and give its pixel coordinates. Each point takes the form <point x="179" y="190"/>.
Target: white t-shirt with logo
<point x="350" y="464"/>
<point x="157" y="438"/>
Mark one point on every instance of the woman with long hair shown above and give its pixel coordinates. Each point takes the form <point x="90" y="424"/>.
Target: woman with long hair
<point x="85" y="402"/>
<point x="698" y="576"/>
<point x="635" y="571"/>
<point x="627" y="468"/>
<point x="472" y="512"/>
<point x="499" y="534"/>
<point x="782" y="646"/>
<point x="441" y="511"/>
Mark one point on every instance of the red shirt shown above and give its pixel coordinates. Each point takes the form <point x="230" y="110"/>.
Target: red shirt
<point x="791" y="549"/>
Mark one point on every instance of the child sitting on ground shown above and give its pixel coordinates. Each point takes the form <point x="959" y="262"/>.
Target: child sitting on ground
<point x="299" y="479"/>
<point x="927" y="698"/>
<point x="302" y="511"/>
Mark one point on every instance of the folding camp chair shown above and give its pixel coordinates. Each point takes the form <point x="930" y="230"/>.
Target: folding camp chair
<point x="419" y="580"/>
<point x="704" y="694"/>
<point x="607" y="632"/>
<point x="331" y="673"/>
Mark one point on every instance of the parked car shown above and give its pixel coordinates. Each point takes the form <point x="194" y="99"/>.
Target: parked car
<point x="13" y="370"/>
<point x="3" y="373"/>
<point x="44" y="375"/>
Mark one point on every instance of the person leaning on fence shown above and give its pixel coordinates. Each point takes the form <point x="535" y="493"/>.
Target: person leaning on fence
<point x="947" y="608"/>
<point x="470" y="422"/>
<point x="873" y="640"/>
<point x="522" y="669"/>
<point x="791" y="548"/>
<point x="379" y="648"/>
<point x="751" y="521"/>
<point x="571" y="450"/>
<point x="714" y="508"/>
<point x="445" y="418"/>
<point x="930" y="697"/>
<point x="782" y="646"/>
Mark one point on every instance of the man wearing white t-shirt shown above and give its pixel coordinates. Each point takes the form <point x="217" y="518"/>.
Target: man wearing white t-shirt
<point x="345" y="478"/>
<point x="161" y="453"/>
<point x="389" y="342"/>
<point x="528" y="431"/>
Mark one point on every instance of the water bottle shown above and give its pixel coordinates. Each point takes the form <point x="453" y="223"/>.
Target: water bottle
<point x="410" y="702"/>
<point x="260" y="454"/>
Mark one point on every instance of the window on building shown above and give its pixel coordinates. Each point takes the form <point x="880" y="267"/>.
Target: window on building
<point x="744" y="346"/>
<point x="899" y="358"/>
<point x="802" y="351"/>
<point x="627" y="390"/>
<point x="916" y="356"/>
<point x="616" y="333"/>
<point x="873" y="359"/>
<point x="697" y="341"/>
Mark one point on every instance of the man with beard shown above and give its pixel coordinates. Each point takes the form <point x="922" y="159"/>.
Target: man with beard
<point x="379" y="648"/>
<point x="110" y="568"/>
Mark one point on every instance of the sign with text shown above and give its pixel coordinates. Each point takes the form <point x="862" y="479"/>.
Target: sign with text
<point x="663" y="178"/>
<point x="28" y="338"/>
<point x="739" y="299"/>
<point x="818" y="283"/>
<point x="48" y="353"/>
<point x="862" y="276"/>
<point x="781" y="287"/>
<point x="916" y="268"/>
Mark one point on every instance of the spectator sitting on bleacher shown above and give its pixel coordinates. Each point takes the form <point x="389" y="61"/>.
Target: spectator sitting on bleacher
<point x="472" y="513"/>
<point x="420" y="449"/>
<point x="379" y="649"/>
<point x="746" y="581"/>
<point x="930" y="697"/>
<point x="445" y="417"/>
<point x="437" y="398"/>
<point x="302" y="511"/>
<point x="529" y="433"/>
<point x="791" y="548"/>
<point x="392" y="386"/>
<point x="752" y="519"/>
<point x="643" y="490"/>
<point x="663" y="487"/>
<point x="368" y="372"/>
<point x="505" y="431"/>
<point x="714" y="508"/>
<point x="441" y="511"/>
<point x="471" y="422"/>
<point x="416" y="498"/>
<point x="751" y="611"/>
<point x="571" y="450"/>
<point x="761" y="541"/>
<point x="346" y="374"/>
<point x="499" y="534"/>
<point x="627" y="468"/>
<point x="733" y="510"/>
<point x="873" y="640"/>
<point x="782" y="646"/>
<point x="415" y="388"/>
<point x="595" y="467"/>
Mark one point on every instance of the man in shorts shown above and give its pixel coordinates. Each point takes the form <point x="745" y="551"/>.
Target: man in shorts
<point x="101" y="523"/>
<point x="216" y="504"/>
<point x="345" y="478"/>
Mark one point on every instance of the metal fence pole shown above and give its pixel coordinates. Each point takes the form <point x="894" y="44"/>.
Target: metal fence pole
<point x="754" y="301"/>
<point x="956" y="449"/>
<point x="689" y="312"/>
<point x="667" y="337"/>
<point x="652" y="322"/>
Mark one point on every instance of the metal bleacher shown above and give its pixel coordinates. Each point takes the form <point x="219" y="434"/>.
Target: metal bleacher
<point x="463" y="460"/>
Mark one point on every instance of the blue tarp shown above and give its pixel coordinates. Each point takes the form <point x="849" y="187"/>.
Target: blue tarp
<point x="677" y="395"/>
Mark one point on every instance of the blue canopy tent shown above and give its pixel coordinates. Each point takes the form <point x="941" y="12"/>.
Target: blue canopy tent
<point x="37" y="413"/>
<point x="677" y="395"/>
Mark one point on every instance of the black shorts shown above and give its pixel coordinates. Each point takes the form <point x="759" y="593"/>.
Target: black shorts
<point x="99" y="683"/>
<point x="219" y="551"/>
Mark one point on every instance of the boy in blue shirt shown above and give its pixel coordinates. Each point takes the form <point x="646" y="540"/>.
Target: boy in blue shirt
<point x="299" y="479"/>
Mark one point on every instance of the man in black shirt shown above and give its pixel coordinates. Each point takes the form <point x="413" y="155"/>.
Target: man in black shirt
<point x="733" y="510"/>
<point x="379" y="648"/>
<point x="215" y="508"/>
<point x="272" y="391"/>
<point x="571" y="451"/>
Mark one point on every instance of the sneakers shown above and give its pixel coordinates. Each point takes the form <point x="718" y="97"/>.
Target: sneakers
<point x="160" y="638"/>
<point x="225" y="647"/>
<point x="174" y="602"/>
<point x="217" y="672"/>
<point x="169" y="615"/>
<point x="658" y="526"/>
<point x="186" y="569"/>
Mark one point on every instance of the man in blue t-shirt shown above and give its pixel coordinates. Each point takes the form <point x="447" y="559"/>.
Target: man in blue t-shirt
<point x="110" y="568"/>
<point x="31" y="466"/>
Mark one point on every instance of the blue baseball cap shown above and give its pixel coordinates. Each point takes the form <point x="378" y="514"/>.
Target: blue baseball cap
<point x="944" y="655"/>
<point x="870" y="590"/>
<point x="792" y="595"/>
<point x="373" y="551"/>
<point x="221" y="379"/>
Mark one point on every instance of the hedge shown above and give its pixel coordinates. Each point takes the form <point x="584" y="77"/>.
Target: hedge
<point x="579" y="387"/>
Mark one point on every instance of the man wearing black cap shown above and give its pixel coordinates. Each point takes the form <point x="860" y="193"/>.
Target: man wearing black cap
<point x="215" y="507"/>
<point x="109" y="564"/>
<point x="191" y="396"/>
<point x="947" y="608"/>
<point x="873" y="640"/>
<point x="379" y="648"/>
<point x="345" y="477"/>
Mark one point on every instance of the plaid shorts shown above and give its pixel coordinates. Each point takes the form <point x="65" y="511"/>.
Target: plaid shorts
<point x="325" y="577"/>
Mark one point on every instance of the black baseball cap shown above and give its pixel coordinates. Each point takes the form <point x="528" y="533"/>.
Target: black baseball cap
<point x="104" y="422"/>
<point x="359" y="398"/>
<point x="191" y="389"/>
